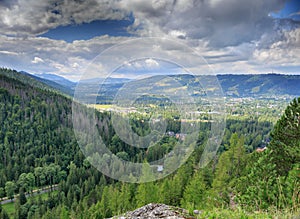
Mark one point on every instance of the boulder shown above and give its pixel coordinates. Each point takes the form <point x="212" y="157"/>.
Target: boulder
<point x="153" y="210"/>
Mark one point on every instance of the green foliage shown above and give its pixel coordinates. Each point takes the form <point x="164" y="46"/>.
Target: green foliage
<point x="285" y="142"/>
<point x="146" y="193"/>
<point x="10" y="188"/>
<point x="3" y="213"/>
<point x="291" y="188"/>
<point x="230" y="166"/>
<point x="258" y="187"/>
<point x="22" y="196"/>
<point x="195" y="193"/>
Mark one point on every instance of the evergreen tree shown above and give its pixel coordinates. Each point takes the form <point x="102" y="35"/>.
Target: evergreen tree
<point x="291" y="188"/>
<point x="285" y="142"/>
<point x="258" y="189"/>
<point x="146" y="192"/>
<point x="230" y="165"/>
<point x="195" y="193"/>
<point x="2" y="193"/>
<point x="104" y="208"/>
<point x="22" y="196"/>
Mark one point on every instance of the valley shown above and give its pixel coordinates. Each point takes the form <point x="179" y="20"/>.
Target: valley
<point x="39" y="149"/>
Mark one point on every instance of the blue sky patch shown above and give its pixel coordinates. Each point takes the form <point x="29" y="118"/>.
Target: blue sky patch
<point x="90" y="30"/>
<point x="290" y="10"/>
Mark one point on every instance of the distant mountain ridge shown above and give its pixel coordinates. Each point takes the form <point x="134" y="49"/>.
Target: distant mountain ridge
<point x="240" y="85"/>
<point x="261" y="85"/>
<point x="33" y="81"/>
<point x="57" y="79"/>
<point x="54" y="81"/>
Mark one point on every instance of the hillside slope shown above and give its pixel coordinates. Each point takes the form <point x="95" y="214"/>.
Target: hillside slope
<point x="36" y="128"/>
<point x="243" y="85"/>
<point x="256" y="86"/>
<point x="263" y="85"/>
<point x="34" y="81"/>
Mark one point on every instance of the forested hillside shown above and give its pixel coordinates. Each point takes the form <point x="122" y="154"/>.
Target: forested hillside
<point x="38" y="148"/>
<point x="243" y="85"/>
<point x="31" y="80"/>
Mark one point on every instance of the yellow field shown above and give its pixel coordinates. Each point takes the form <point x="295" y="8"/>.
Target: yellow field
<point x="100" y="106"/>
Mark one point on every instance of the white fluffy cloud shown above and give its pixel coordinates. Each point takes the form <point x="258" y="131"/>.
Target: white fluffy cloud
<point x="37" y="60"/>
<point x="151" y="63"/>
<point x="285" y="52"/>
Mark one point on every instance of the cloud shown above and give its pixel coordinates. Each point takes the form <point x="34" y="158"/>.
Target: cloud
<point x="295" y="13"/>
<point x="31" y="17"/>
<point x="151" y="63"/>
<point x="285" y="52"/>
<point x="222" y="23"/>
<point x="59" y="57"/>
<point x="37" y="60"/>
<point x="8" y="53"/>
<point x="177" y="34"/>
<point x="233" y="36"/>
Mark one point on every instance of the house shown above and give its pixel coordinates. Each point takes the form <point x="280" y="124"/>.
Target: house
<point x="160" y="168"/>
<point x="261" y="149"/>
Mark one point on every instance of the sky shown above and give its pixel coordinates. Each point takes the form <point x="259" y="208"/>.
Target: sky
<point x="63" y="37"/>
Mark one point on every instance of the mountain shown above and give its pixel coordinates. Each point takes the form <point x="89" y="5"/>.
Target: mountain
<point x="30" y="111"/>
<point x="38" y="147"/>
<point x="108" y="80"/>
<point x="256" y="86"/>
<point x="243" y="85"/>
<point x="54" y="81"/>
<point x="68" y="87"/>
<point x="57" y="79"/>
<point x="31" y="80"/>
<point x="262" y="85"/>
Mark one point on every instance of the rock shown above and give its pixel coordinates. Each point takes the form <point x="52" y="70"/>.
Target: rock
<point x="197" y="212"/>
<point x="152" y="211"/>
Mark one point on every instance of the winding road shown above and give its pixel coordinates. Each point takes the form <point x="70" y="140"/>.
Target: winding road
<point x="34" y="193"/>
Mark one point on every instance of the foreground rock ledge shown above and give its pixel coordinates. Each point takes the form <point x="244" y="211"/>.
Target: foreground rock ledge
<point x="156" y="211"/>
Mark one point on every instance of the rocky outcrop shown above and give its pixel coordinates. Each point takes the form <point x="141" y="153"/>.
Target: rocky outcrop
<point x="152" y="211"/>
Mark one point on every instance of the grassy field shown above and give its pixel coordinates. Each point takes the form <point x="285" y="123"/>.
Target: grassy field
<point x="10" y="207"/>
<point x="100" y="106"/>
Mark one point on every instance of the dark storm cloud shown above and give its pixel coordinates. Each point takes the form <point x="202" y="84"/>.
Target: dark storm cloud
<point x="31" y="17"/>
<point x="223" y="23"/>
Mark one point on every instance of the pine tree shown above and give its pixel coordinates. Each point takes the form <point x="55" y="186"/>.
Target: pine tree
<point x="146" y="192"/>
<point x="195" y="192"/>
<point x="291" y="189"/>
<point x="258" y="189"/>
<point x="230" y="165"/>
<point x="2" y="193"/>
<point x="104" y="207"/>
<point x="22" y="196"/>
<point x="285" y="142"/>
<point x="125" y="198"/>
